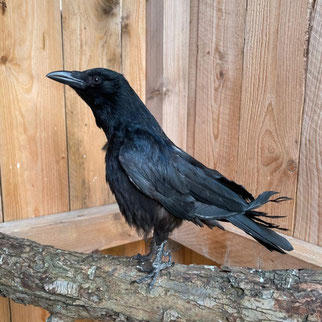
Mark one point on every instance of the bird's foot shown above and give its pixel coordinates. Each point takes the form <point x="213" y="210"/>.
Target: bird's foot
<point x="156" y="266"/>
<point x="142" y="259"/>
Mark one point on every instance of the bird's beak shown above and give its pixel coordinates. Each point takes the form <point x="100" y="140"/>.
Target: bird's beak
<point x="69" y="78"/>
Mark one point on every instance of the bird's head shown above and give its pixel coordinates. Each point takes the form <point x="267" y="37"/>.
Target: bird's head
<point x="113" y="102"/>
<point x="91" y="83"/>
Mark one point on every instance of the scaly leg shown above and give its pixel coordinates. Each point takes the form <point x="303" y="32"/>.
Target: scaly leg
<point x="157" y="266"/>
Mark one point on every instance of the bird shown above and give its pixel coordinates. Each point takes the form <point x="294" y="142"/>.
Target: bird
<point x="157" y="185"/>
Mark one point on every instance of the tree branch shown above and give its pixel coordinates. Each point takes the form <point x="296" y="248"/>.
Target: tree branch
<point x="75" y="285"/>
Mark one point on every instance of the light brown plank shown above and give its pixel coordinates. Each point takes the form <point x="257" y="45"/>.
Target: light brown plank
<point x="154" y="57"/>
<point x="32" y="119"/>
<point x="272" y="100"/>
<point x="21" y="313"/>
<point x="82" y="230"/>
<point x="175" y="70"/>
<point x="92" y="38"/>
<point x="219" y="80"/>
<point x="167" y="65"/>
<point x="4" y="310"/>
<point x="231" y="249"/>
<point x="308" y="220"/>
<point x="103" y="227"/>
<point x="134" y="44"/>
<point x="192" y="75"/>
<point x="4" y="303"/>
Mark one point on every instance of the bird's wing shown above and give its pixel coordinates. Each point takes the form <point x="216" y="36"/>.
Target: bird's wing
<point x="156" y="168"/>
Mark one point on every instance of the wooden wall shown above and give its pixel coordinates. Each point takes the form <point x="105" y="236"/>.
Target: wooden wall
<point x="236" y="84"/>
<point x="50" y="148"/>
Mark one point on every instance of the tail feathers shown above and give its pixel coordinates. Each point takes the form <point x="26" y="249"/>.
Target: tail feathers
<point x="260" y="230"/>
<point x="264" y="198"/>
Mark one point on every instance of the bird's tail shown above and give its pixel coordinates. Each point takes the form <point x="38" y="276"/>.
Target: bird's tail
<point x="252" y="222"/>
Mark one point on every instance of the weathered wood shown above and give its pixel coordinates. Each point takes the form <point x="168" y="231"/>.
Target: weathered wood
<point x="79" y="285"/>
<point x="81" y="230"/>
<point x="32" y="128"/>
<point x="33" y="154"/>
<point x="235" y="248"/>
<point x="219" y="82"/>
<point x="167" y="65"/>
<point x="92" y="38"/>
<point x="103" y="227"/>
<point x="4" y="303"/>
<point x="134" y="44"/>
<point x="154" y="57"/>
<point x="272" y="100"/>
<point x="175" y="70"/>
<point x="308" y="220"/>
<point x="192" y="75"/>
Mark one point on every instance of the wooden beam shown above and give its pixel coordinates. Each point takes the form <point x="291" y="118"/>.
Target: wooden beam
<point x="103" y="227"/>
<point x="82" y="230"/>
<point x="308" y="220"/>
<point x="235" y="248"/>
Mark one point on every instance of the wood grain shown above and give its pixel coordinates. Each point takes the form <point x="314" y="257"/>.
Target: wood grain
<point x="231" y="249"/>
<point x="134" y="44"/>
<point x="4" y="310"/>
<point x="92" y="38"/>
<point x="82" y="230"/>
<point x="32" y="119"/>
<point x="154" y="57"/>
<point x="272" y="101"/>
<point x="175" y="70"/>
<point x="219" y="81"/>
<point x="167" y="65"/>
<point x="192" y="75"/>
<point x="308" y="220"/>
<point x="32" y="122"/>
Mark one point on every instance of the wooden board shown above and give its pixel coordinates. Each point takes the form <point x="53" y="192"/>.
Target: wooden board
<point x="32" y="120"/>
<point x="219" y="81"/>
<point x="231" y="249"/>
<point x="83" y="230"/>
<point x="272" y="100"/>
<point x="92" y="38"/>
<point x="167" y="65"/>
<point x="103" y="227"/>
<point x="192" y="75"/>
<point x="308" y="220"/>
<point x="154" y="57"/>
<point x="134" y="44"/>
<point x="175" y="69"/>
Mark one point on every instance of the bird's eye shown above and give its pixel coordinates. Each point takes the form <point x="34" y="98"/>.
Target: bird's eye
<point x="96" y="80"/>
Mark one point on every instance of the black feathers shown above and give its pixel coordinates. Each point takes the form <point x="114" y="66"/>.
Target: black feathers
<point x="156" y="184"/>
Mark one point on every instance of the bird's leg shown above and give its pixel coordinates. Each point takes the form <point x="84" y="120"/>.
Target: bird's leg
<point x="145" y="258"/>
<point x="157" y="265"/>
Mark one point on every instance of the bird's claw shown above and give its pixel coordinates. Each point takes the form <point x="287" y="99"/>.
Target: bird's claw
<point x="157" y="266"/>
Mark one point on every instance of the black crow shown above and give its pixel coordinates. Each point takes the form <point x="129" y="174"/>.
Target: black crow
<point x="156" y="184"/>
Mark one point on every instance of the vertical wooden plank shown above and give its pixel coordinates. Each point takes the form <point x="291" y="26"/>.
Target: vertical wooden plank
<point x="192" y="75"/>
<point x="4" y="310"/>
<point x="32" y="122"/>
<point x="134" y="44"/>
<point x="175" y="69"/>
<point x="154" y="57"/>
<point x="4" y="303"/>
<point x="32" y="119"/>
<point x="167" y="65"/>
<point x="272" y="100"/>
<point x="219" y="79"/>
<point x="92" y="38"/>
<point x="308" y="220"/>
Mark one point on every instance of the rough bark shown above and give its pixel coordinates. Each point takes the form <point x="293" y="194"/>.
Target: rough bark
<point x="73" y="285"/>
